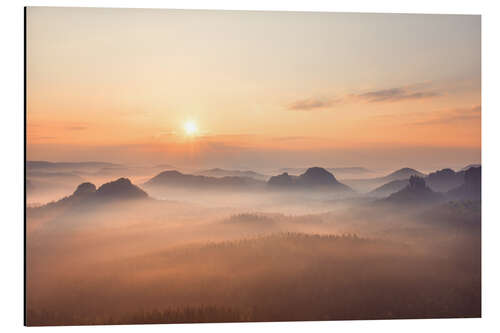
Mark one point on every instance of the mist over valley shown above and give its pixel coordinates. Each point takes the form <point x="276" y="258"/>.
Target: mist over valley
<point x="170" y="246"/>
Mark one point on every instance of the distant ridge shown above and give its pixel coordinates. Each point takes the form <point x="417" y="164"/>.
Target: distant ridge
<point x="471" y="166"/>
<point x="174" y="178"/>
<point x="351" y="170"/>
<point x="403" y="173"/>
<point x="343" y="171"/>
<point x="121" y="188"/>
<point x="371" y="184"/>
<point x="84" y="189"/>
<point x="439" y="181"/>
<point x="415" y="193"/>
<point x="218" y="172"/>
<point x="282" y="180"/>
<point x="118" y="190"/>
<point x="471" y="188"/>
<point x="445" y="179"/>
<point x="315" y="177"/>
<point x="389" y="188"/>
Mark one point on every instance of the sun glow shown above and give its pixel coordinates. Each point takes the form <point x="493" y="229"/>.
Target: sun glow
<point x="190" y="128"/>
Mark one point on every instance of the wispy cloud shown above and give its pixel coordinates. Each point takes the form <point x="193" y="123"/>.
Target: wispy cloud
<point x="410" y="92"/>
<point x="311" y="104"/>
<point x="451" y="116"/>
<point x="395" y="95"/>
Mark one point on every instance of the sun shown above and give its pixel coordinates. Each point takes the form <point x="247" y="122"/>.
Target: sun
<point x="190" y="128"/>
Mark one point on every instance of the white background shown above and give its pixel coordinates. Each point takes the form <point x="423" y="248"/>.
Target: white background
<point x="11" y="161"/>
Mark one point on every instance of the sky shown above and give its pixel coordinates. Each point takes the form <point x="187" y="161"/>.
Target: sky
<point x="254" y="90"/>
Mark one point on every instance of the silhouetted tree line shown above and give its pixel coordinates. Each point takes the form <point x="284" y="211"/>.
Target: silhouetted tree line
<point x="282" y="277"/>
<point x="176" y="315"/>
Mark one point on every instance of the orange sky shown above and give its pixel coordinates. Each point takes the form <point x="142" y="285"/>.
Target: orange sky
<point x="263" y="88"/>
